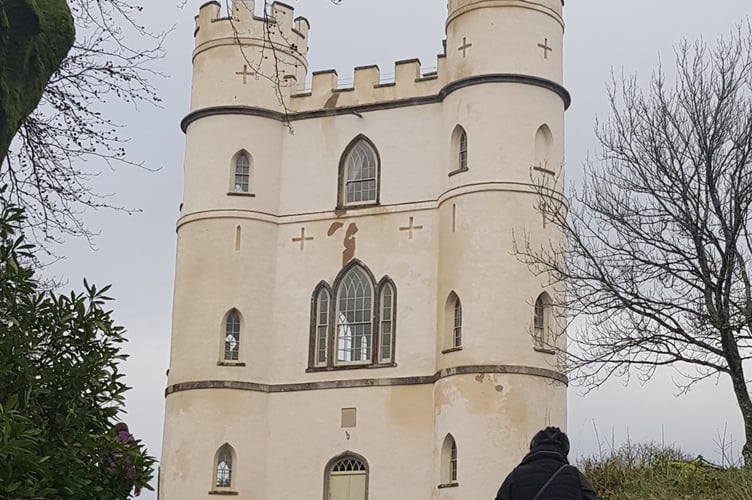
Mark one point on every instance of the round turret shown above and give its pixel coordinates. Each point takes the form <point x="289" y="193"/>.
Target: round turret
<point x="247" y="60"/>
<point x="504" y="124"/>
<point x="522" y="37"/>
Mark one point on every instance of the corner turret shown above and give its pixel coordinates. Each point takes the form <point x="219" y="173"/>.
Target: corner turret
<point x="243" y="59"/>
<point x="520" y="37"/>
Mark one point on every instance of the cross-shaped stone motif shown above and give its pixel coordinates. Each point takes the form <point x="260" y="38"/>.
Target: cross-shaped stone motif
<point x="463" y="48"/>
<point x="545" y="47"/>
<point x="303" y="238"/>
<point x="411" y="227"/>
<point x="245" y="73"/>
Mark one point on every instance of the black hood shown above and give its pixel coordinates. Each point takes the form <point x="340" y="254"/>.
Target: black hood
<point x="546" y="452"/>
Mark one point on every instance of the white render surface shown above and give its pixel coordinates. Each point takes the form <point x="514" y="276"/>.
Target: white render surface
<point x="237" y="252"/>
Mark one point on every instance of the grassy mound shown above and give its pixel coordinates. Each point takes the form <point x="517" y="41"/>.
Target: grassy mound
<point x="652" y="472"/>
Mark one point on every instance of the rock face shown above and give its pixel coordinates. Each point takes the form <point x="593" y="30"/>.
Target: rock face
<point x="35" y="37"/>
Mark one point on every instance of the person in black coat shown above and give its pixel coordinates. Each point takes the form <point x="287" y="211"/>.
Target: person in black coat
<point x="545" y="473"/>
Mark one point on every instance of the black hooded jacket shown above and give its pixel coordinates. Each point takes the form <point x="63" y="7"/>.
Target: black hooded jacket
<point x="526" y="480"/>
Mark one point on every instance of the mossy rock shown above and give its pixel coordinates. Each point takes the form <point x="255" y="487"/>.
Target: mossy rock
<point x="35" y="37"/>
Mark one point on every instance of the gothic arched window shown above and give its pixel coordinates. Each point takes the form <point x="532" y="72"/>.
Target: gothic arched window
<point x="453" y="322"/>
<point x="543" y="147"/>
<point x="223" y="465"/>
<point x="322" y="303"/>
<point x="242" y="172"/>
<point x="354" y="317"/>
<point x="353" y="322"/>
<point x="542" y="335"/>
<point x="359" y="174"/>
<point x="457" y="326"/>
<point x="231" y="336"/>
<point x="387" y="317"/>
<point x="449" y="461"/>
<point x="346" y="478"/>
<point x="459" y="150"/>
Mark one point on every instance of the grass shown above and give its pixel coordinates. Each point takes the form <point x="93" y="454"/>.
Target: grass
<point x="654" y="472"/>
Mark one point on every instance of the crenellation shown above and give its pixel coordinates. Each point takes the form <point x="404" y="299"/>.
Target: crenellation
<point x="323" y="84"/>
<point x="207" y="13"/>
<point x="366" y="78"/>
<point x="369" y="86"/>
<point x="280" y="28"/>
<point x="283" y="15"/>
<point x="243" y="11"/>
<point x="407" y="71"/>
<point x="302" y="26"/>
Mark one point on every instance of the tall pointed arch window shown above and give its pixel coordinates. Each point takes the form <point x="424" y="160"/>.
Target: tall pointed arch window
<point x="387" y="302"/>
<point x="544" y="142"/>
<point x="322" y="320"/>
<point x="542" y="334"/>
<point x="359" y="174"/>
<point x="232" y="336"/>
<point x="353" y="323"/>
<point x="452" y="323"/>
<point x="354" y="317"/>
<point x="449" y="461"/>
<point x="242" y="173"/>
<point x="457" y="327"/>
<point x="223" y="468"/>
<point x="346" y="478"/>
<point x="459" y="151"/>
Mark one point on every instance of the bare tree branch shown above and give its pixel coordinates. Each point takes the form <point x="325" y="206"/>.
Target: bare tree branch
<point x="67" y="141"/>
<point x="655" y="266"/>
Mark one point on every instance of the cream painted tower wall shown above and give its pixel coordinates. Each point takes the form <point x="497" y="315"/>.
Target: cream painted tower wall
<point x="500" y="79"/>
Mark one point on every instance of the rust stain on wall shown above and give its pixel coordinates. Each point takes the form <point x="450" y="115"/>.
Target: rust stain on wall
<point x="332" y="101"/>
<point x="334" y="228"/>
<point x="349" y="252"/>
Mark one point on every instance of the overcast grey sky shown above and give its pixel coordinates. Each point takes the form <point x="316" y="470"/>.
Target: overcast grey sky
<point x="136" y="253"/>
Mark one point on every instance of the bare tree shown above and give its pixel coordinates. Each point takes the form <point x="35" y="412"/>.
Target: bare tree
<point x="68" y="139"/>
<point x="657" y="255"/>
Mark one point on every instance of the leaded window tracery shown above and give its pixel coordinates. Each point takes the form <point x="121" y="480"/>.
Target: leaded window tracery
<point x="359" y="173"/>
<point x="232" y="337"/>
<point x="242" y="173"/>
<point x="353" y="322"/>
<point x="223" y="470"/>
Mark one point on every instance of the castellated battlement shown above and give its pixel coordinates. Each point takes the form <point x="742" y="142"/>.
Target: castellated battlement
<point x="280" y="27"/>
<point x="224" y="75"/>
<point x="369" y="85"/>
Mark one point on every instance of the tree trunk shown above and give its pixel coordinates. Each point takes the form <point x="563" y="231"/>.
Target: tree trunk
<point x="35" y="37"/>
<point x="745" y="406"/>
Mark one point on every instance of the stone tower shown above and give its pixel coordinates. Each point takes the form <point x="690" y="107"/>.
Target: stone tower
<point x="349" y="321"/>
